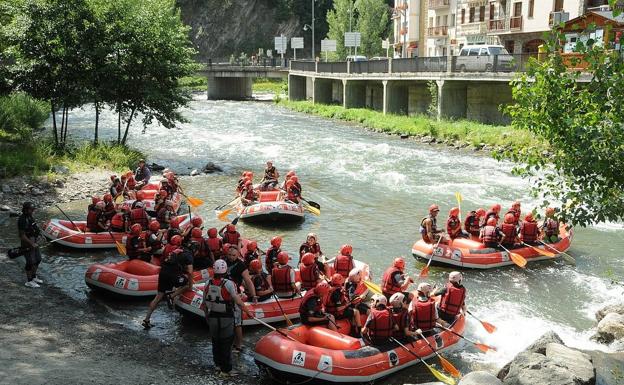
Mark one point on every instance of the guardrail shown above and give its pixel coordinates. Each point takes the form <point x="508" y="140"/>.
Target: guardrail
<point x="258" y="62"/>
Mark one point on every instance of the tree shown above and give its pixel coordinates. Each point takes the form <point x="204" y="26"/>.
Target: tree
<point x="338" y="20"/>
<point x="583" y="126"/>
<point x="372" y="23"/>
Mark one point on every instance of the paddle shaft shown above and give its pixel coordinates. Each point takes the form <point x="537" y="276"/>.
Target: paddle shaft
<point x="406" y="348"/>
<point x="560" y="252"/>
<point x="274" y="329"/>
<point x="428" y="344"/>
<point x="68" y="218"/>
<point x="288" y="321"/>
<point x="458" y="335"/>
<point x="432" y="252"/>
<point x="222" y="206"/>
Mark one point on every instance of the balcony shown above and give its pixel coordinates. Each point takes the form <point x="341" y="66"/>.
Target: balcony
<point x="436" y="4"/>
<point x="515" y="23"/>
<point x="441" y="30"/>
<point x="558" y="17"/>
<point x="477" y="28"/>
<point x="496" y="25"/>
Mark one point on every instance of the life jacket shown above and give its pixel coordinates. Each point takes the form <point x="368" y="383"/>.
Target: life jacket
<point x="280" y="278"/>
<point x="488" y="215"/>
<point x="131" y="184"/>
<point x="249" y="194"/>
<point x="216" y="246"/>
<point x="109" y="210"/>
<point x="551" y="227"/>
<point x="271" y="258"/>
<point x="218" y="301"/>
<point x="131" y="250"/>
<point x="423" y="315"/>
<point x="202" y="251"/>
<point x="293" y="194"/>
<point x="309" y="276"/>
<point x="306" y="248"/>
<point x="169" y="190"/>
<point x="516" y="214"/>
<point x="343" y="264"/>
<point x="490" y="234"/>
<point x="250" y="256"/>
<point x="390" y="287"/>
<point x="153" y="242"/>
<point x="400" y="319"/>
<point x="336" y="308"/>
<point x="118" y="222"/>
<point x="139" y="216"/>
<point x="269" y="173"/>
<point x="239" y="185"/>
<point x="92" y="218"/>
<point x="139" y="174"/>
<point x="509" y="229"/>
<point x="310" y="295"/>
<point x="260" y="281"/>
<point x="162" y="216"/>
<point x="529" y="231"/>
<point x="168" y="249"/>
<point x="351" y="289"/>
<point x="434" y="225"/>
<point x="231" y="238"/>
<point x="453" y="300"/>
<point x="453" y="226"/>
<point x="381" y="325"/>
<point x="472" y="223"/>
<point x="116" y="189"/>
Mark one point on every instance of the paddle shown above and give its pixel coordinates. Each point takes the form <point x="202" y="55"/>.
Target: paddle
<point x="565" y="255"/>
<point x="373" y="287"/>
<point x="446" y="365"/>
<point x="288" y="321"/>
<point x="235" y="220"/>
<point x="540" y="251"/>
<point x="312" y="203"/>
<point x="483" y="347"/>
<point x="311" y="210"/>
<point x="440" y="376"/>
<point x="222" y="206"/>
<point x="274" y="329"/>
<point x="459" y="198"/>
<point x="192" y="201"/>
<point x="121" y="249"/>
<point x="425" y="270"/>
<point x="515" y="258"/>
<point x="68" y="218"/>
<point x="486" y="325"/>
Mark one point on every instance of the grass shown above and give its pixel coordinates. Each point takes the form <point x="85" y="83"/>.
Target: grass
<point x="463" y="131"/>
<point x="194" y="83"/>
<point x="275" y="86"/>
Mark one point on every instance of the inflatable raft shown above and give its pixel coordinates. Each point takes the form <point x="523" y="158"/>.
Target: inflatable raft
<point x="271" y="207"/>
<point x="473" y="254"/>
<point x="73" y="236"/>
<point x="149" y="191"/>
<point x="133" y="278"/>
<point x="317" y="353"/>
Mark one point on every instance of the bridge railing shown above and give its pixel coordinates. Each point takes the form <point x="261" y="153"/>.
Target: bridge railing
<point x="258" y="62"/>
<point x="309" y="66"/>
<point x="369" y="67"/>
<point x="333" y="67"/>
<point x="420" y="64"/>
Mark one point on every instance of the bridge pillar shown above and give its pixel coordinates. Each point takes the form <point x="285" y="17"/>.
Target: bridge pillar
<point x="323" y="91"/>
<point x="354" y="94"/>
<point x="296" y="88"/>
<point x="419" y="98"/>
<point x="229" y="88"/>
<point x="385" y="96"/>
<point x="374" y="95"/>
<point x="452" y="99"/>
<point x="397" y="97"/>
<point x="484" y="100"/>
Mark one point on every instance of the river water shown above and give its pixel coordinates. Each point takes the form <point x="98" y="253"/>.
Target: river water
<point x="373" y="189"/>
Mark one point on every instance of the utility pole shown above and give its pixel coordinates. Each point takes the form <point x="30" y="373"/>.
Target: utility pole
<point x="313" y="50"/>
<point x="350" y="18"/>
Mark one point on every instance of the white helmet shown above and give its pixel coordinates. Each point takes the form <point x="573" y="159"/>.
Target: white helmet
<point x="139" y="205"/>
<point x="455" y="277"/>
<point x="397" y="297"/>
<point x="355" y="272"/>
<point x="424" y="288"/>
<point x="312" y="235"/>
<point x="220" y="266"/>
<point x="380" y="299"/>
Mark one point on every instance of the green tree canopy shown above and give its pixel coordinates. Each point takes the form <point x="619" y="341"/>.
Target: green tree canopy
<point x="372" y="23"/>
<point x="338" y="20"/>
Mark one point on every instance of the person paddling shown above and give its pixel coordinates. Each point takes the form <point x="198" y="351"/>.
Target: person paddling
<point x="472" y="223"/>
<point x="379" y="326"/>
<point x="452" y="298"/>
<point x="550" y="226"/>
<point x="270" y="179"/>
<point x="312" y="310"/>
<point x="428" y="226"/>
<point x="394" y="280"/>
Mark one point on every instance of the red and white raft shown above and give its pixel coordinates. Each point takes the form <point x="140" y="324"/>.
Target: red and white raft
<point x="130" y="278"/>
<point x="149" y="191"/>
<point x="271" y="207"/>
<point x="320" y="354"/>
<point x="73" y="236"/>
<point x="470" y="253"/>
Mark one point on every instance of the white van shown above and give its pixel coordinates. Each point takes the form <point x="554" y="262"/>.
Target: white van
<point x="479" y="58"/>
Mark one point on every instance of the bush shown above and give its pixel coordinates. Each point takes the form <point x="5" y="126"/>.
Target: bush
<point x="20" y="114"/>
<point x="109" y="156"/>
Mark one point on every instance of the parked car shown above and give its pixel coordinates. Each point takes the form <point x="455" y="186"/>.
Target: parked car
<point x="379" y="58"/>
<point x="356" y="58"/>
<point x="480" y="58"/>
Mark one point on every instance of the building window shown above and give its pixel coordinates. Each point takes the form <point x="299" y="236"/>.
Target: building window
<point x="471" y="18"/>
<point x="518" y="9"/>
<point x="452" y="20"/>
<point x="438" y="21"/>
<point x="491" y="11"/>
<point x="463" y="16"/>
<point x="531" y="7"/>
<point x="431" y="22"/>
<point x="482" y="13"/>
<point x="445" y="20"/>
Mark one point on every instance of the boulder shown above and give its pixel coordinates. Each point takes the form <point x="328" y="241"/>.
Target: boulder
<point x="480" y="378"/>
<point x="610" y="328"/>
<point x="195" y="172"/>
<point x="578" y="363"/>
<point x="6" y="189"/>
<point x="210" y="167"/>
<point x="539" y="346"/>
<point x="609" y="367"/>
<point x="530" y="368"/>
<point x="156" y="167"/>
<point x="60" y="169"/>
<point x="617" y="308"/>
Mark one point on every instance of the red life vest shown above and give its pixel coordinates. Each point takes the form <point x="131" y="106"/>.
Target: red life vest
<point x="489" y="234"/>
<point x="390" y="287"/>
<point x="551" y="227"/>
<point x="310" y="295"/>
<point x="154" y="242"/>
<point x="453" y="226"/>
<point x="117" y="222"/>
<point x="381" y="325"/>
<point x="260" y="282"/>
<point x="280" y="278"/>
<point x="471" y="224"/>
<point x="215" y="245"/>
<point x="250" y="256"/>
<point x="453" y="300"/>
<point x="400" y="319"/>
<point x="343" y="264"/>
<point x="528" y="231"/>
<point x="423" y="315"/>
<point x="139" y="216"/>
<point x="249" y="194"/>
<point x="202" y="252"/>
<point x="168" y="250"/>
<point x="293" y="194"/>
<point x="309" y="276"/>
<point x="509" y="229"/>
<point x="218" y="298"/>
<point x="231" y="238"/>
<point x="92" y="218"/>
<point x="336" y="308"/>
<point x="132" y="251"/>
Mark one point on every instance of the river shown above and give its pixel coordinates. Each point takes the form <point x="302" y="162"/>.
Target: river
<point x="373" y="190"/>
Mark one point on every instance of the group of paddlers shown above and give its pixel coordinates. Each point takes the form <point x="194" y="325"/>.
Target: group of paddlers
<point x="270" y="182"/>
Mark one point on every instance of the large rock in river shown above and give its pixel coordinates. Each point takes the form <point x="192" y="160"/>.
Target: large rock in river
<point x="616" y="308"/>
<point x="480" y="378"/>
<point x="539" y="346"/>
<point x="578" y="363"/>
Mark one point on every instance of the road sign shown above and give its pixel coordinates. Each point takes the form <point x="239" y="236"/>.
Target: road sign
<point x="281" y="44"/>
<point x="328" y="45"/>
<point x="385" y="44"/>
<point x="352" y="39"/>
<point x="296" y="43"/>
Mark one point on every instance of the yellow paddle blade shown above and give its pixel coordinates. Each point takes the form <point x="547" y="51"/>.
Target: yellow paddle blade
<point x="121" y="249"/>
<point x="459" y="197"/>
<point x="373" y="287"/>
<point x="195" y="202"/>
<point x="437" y="374"/>
<point x="119" y="198"/>
<point x="222" y="216"/>
<point x="518" y="259"/>
<point x="312" y="210"/>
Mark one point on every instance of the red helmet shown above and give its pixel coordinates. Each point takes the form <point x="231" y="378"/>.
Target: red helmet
<point x="433" y="208"/>
<point x="529" y="217"/>
<point x="100" y="205"/>
<point x="516" y="205"/>
<point x="337" y="280"/>
<point x="176" y="240"/>
<point x="108" y="198"/>
<point x="140" y="195"/>
<point x="276" y="241"/>
<point x="496" y="208"/>
<point x="255" y="266"/>
<point x="308" y="259"/>
<point x="294" y="179"/>
<point x="135" y="229"/>
<point x="196" y="233"/>
<point x="290" y="183"/>
<point x="509" y="218"/>
<point x="282" y="258"/>
<point x="125" y="207"/>
<point x="322" y="288"/>
<point x="454" y="212"/>
<point x="244" y="174"/>
<point x="252" y="246"/>
<point x="226" y="247"/>
<point x="174" y="223"/>
<point x="480" y="212"/>
<point x="290" y="173"/>
<point x="550" y="211"/>
<point x="491" y="222"/>
<point x="196" y="221"/>
<point x="346" y="249"/>
<point x="95" y="199"/>
<point x="212" y="232"/>
<point x="249" y="174"/>
<point x="163" y="194"/>
<point x="248" y="183"/>
<point x="113" y="177"/>
<point x="399" y="263"/>
<point x="231" y="228"/>
<point x="154" y="225"/>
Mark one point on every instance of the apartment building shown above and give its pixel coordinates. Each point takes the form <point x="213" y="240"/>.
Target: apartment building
<point x="440" y="27"/>
<point x="409" y="27"/>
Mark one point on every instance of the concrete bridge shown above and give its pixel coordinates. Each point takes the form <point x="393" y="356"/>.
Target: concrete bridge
<point x="234" y="82"/>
